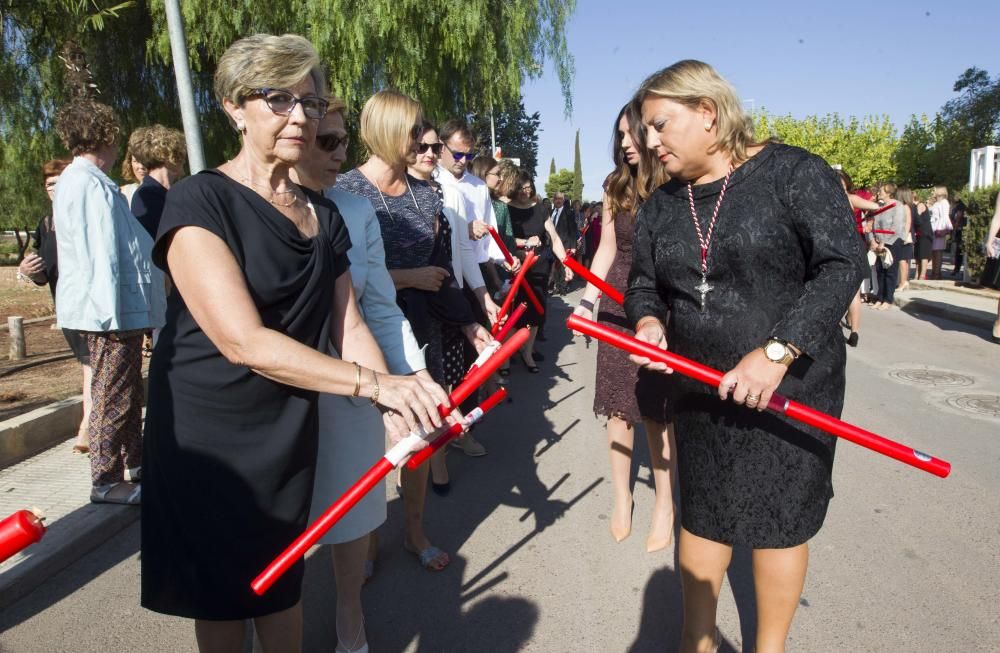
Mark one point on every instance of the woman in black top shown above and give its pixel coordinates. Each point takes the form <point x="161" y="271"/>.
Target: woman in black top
<point x="261" y="284"/>
<point x="42" y="267"/>
<point x="752" y="250"/>
<point x="534" y="231"/>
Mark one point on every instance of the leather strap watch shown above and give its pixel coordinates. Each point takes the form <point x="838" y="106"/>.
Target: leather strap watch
<point x="778" y="351"/>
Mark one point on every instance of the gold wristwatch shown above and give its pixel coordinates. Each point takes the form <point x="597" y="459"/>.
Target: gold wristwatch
<point x="778" y="351"/>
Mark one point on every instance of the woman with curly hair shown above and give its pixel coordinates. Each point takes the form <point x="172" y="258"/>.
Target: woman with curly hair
<point x="108" y="289"/>
<point x="161" y="151"/>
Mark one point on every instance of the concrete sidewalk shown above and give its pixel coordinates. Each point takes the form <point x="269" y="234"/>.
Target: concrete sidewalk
<point x="58" y="481"/>
<point x="975" y="307"/>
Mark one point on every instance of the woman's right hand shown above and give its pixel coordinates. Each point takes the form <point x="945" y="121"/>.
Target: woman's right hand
<point x="428" y="278"/>
<point x="992" y="248"/>
<point x="651" y="331"/>
<point x="32" y="265"/>
<point x="410" y="402"/>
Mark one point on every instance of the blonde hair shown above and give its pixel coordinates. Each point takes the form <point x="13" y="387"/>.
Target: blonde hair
<point x="691" y="83"/>
<point x="940" y="192"/>
<point x="387" y="123"/>
<point x="266" y="61"/>
<point x="508" y="178"/>
<point x="158" y="146"/>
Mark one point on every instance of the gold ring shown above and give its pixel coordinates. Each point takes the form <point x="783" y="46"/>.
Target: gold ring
<point x="753" y="398"/>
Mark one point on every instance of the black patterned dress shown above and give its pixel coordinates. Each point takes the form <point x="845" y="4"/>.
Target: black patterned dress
<point x="624" y="390"/>
<point x="784" y="261"/>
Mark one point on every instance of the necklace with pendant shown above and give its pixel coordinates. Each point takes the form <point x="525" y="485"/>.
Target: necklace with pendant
<point x="704" y="287"/>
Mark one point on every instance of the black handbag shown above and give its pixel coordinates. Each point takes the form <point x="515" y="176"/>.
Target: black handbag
<point x="991" y="274"/>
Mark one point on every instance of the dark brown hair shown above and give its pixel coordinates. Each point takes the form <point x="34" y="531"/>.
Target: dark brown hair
<point x="628" y="186"/>
<point x="54" y="168"/>
<point x="457" y="126"/>
<point x="85" y="126"/>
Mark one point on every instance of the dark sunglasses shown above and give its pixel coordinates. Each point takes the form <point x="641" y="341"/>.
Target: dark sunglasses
<point x="468" y="156"/>
<point x="435" y="148"/>
<point x="330" y="142"/>
<point x="282" y="102"/>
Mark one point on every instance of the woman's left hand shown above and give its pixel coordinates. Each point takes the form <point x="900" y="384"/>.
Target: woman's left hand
<point x="753" y="380"/>
<point x="567" y="273"/>
<point x="477" y="335"/>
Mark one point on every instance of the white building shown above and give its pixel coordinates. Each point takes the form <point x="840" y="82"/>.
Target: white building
<point x="984" y="167"/>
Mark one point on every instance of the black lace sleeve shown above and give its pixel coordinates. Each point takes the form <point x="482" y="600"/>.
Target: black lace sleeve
<point x="834" y="259"/>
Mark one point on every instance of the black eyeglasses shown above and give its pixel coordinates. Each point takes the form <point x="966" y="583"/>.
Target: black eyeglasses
<point x="330" y="142"/>
<point x="468" y="156"/>
<point x="435" y="148"/>
<point x="283" y="102"/>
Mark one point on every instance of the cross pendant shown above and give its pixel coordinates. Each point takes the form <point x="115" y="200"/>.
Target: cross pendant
<point x="703" y="289"/>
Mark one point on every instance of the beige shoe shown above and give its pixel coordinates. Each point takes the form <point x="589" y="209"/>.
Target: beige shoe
<point x="469" y="445"/>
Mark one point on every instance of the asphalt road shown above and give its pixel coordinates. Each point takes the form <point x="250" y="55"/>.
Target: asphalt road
<point x="906" y="561"/>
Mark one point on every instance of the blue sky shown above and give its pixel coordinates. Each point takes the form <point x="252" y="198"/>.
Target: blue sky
<point x="854" y="58"/>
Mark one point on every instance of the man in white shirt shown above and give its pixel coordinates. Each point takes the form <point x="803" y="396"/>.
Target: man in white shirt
<point x="476" y="209"/>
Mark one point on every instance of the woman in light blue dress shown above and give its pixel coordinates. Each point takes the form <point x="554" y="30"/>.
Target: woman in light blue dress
<point x="352" y="434"/>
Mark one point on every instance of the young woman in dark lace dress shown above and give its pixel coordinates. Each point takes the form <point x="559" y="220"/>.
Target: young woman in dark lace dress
<point x="626" y="394"/>
<point x="752" y="251"/>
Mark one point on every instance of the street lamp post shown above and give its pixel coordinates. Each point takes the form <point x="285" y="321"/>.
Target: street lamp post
<point x="185" y="94"/>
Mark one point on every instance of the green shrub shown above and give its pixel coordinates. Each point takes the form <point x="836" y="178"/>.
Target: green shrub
<point x="980" y="204"/>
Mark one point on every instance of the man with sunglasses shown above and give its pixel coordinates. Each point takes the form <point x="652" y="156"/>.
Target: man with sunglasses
<point x="459" y="149"/>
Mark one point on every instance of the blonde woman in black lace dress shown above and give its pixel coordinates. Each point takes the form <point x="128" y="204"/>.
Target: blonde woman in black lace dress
<point x="751" y="250"/>
<point x="628" y="396"/>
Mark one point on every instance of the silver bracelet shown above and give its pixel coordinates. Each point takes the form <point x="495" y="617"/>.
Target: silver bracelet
<point x="587" y="304"/>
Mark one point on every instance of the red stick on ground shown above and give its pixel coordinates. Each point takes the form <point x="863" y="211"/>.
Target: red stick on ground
<point x="778" y="403"/>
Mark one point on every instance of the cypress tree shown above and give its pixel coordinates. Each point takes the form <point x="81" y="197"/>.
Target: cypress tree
<point x="577" y="193"/>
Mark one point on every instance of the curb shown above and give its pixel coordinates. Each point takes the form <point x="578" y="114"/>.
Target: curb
<point x="65" y="542"/>
<point x="26" y="435"/>
<point x="960" y="314"/>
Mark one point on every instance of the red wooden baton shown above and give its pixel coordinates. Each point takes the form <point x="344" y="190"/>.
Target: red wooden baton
<point x="779" y="404"/>
<point x="599" y="283"/>
<point x="885" y="208"/>
<point x="381" y="469"/>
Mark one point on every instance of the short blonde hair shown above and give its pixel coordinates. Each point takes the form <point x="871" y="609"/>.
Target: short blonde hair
<point x="690" y="82"/>
<point x="158" y="146"/>
<point x="266" y="61"/>
<point x="940" y="192"/>
<point x="387" y="123"/>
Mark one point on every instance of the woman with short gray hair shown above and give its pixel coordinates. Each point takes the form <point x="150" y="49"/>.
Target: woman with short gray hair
<point x="261" y="280"/>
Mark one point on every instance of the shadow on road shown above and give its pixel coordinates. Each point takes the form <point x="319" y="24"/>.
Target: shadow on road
<point x="447" y="611"/>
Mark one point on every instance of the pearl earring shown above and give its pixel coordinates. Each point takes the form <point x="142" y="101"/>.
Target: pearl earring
<point x="708" y="126"/>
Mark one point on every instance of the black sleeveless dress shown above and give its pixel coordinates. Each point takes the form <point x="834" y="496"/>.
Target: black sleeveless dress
<point x="624" y="389"/>
<point x="229" y="455"/>
<point x="526" y="223"/>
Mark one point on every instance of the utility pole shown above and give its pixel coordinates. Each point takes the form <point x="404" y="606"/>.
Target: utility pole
<point x="185" y="94"/>
<point x="493" y="132"/>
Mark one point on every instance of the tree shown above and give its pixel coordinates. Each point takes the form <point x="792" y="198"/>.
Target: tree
<point x="864" y="147"/>
<point x="516" y="132"/>
<point x="577" y="193"/>
<point x="552" y="166"/>
<point x="448" y="55"/>
<point x="560" y="182"/>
